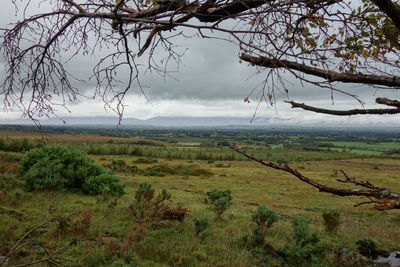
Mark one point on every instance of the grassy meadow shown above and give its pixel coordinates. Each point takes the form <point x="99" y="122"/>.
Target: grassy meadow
<point x="101" y="230"/>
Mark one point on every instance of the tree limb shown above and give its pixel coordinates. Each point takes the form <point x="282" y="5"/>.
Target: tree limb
<point x="330" y="76"/>
<point x="50" y="256"/>
<point x="388" y="102"/>
<point x="384" y="198"/>
<point x="344" y="112"/>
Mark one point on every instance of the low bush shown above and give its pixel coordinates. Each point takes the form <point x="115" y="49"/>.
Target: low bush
<point x="306" y="249"/>
<point x="331" y="220"/>
<point x="148" y="208"/>
<point x="369" y="248"/>
<point x="145" y="161"/>
<point x="118" y="162"/>
<point x="134" y="169"/>
<point x="104" y="183"/>
<point x="154" y="171"/>
<point x="182" y="169"/>
<point x="219" y="201"/>
<point x="121" y="166"/>
<point x="200" y="225"/>
<point x="222" y="165"/>
<point x="58" y="168"/>
<point x="264" y="218"/>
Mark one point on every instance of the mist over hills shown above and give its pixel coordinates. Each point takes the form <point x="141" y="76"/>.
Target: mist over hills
<point x="183" y="121"/>
<point x="154" y="121"/>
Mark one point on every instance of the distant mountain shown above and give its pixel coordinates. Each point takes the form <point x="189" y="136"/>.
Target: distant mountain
<point x="202" y="121"/>
<point x="155" y="121"/>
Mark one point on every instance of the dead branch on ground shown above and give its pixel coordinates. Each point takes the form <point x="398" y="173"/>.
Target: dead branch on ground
<point x="51" y="257"/>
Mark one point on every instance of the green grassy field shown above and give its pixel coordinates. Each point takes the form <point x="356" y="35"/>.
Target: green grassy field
<point x="102" y="232"/>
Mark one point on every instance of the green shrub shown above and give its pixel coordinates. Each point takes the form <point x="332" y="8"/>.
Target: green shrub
<point x="105" y="183"/>
<point x="200" y="225"/>
<point x="223" y="143"/>
<point x="58" y="168"/>
<point x="134" y="169"/>
<point x="181" y="169"/>
<point x="148" y="208"/>
<point x="368" y="248"/>
<point x="301" y="231"/>
<point x="145" y="161"/>
<point x="264" y="218"/>
<point x="144" y="192"/>
<point x="331" y="220"/>
<point x="219" y="201"/>
<point x="215" y="194"/>
<point x="153" y="172"/>
<point x="306" y="246"/>
<point x="118" y="165"/>
<point x="119" y="162"/>
<point x="136" y="152"/>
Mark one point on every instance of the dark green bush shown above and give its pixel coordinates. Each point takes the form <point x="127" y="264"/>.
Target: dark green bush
<point x="145" y="161"/>
<point x="223" y="143"/>
<point x="182" y="169"/>
<point x="119" y="162"/>
<point x="264" y="218"/>
<point x="200" y="225"/>
<point x="134" y="169"/>
<point x="368" y="248"/>
<point x="120" y="165"/>
<point x="136" y="152"/>
<point x="302" y="232"/>
<point x="153" y="172"/>
<point x="219" y="201"/>
<point x="215" y="194"/>
<point x="306" y="248"/>
<point x="331" y="220"/>
<point x="144" y="192"/>
<point x="105" y="183"/>
<point x="58" y="168"/>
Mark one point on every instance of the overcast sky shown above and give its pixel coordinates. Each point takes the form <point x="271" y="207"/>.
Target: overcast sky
<point x="211" y="82"/>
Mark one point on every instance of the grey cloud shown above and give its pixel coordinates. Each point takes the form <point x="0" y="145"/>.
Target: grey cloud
<point x="210" y="73"/>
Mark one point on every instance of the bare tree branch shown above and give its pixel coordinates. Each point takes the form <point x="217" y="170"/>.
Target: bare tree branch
<point x="50" y="258"/>
<point x="388" y="102"/>
<point x="384" y="198"/>
<point x="330" y="76"/>
<point x="344" y="112"/>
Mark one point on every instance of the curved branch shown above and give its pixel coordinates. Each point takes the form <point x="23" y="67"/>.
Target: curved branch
<point x="330" y="76"/>
<point x="385" y="199"/>
<point x="344" y="112"/>
<point x="212" y="14"/>
<point x="388" y="102"/>
<point x="76" y="5"/>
